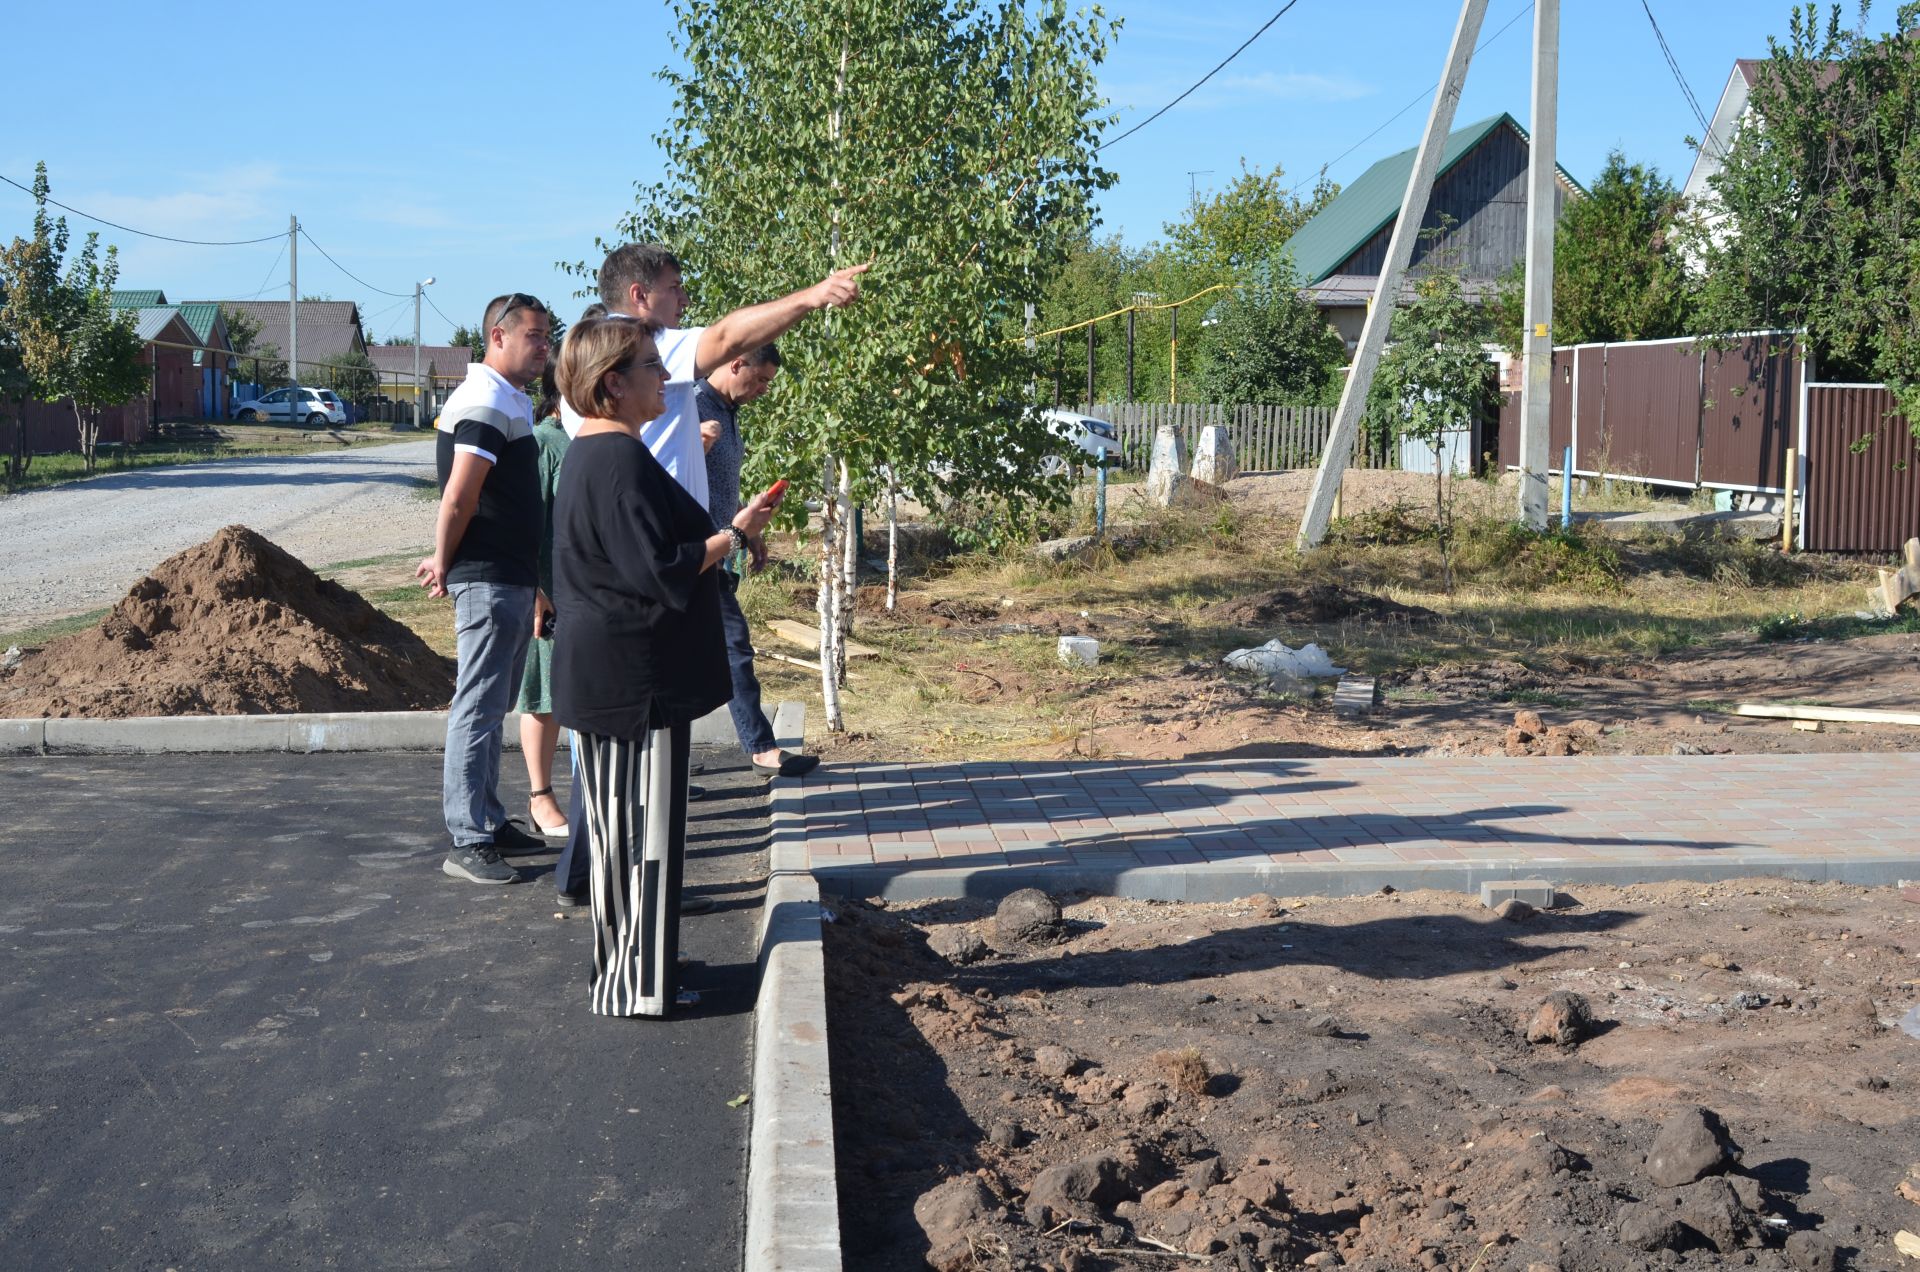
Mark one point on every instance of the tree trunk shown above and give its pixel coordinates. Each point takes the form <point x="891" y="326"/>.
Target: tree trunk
<point x="829" y="616"/>
<point x="849" y="559"/>
<point x="1440" y="516"/>
<point x="89" y="424"/>
<point x="893" y="543"/>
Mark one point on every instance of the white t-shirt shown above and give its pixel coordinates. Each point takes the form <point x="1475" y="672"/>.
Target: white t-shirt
<point x="673" y="437"/>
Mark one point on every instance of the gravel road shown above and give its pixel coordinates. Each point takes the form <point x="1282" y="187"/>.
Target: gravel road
<point x="78" y="547"/>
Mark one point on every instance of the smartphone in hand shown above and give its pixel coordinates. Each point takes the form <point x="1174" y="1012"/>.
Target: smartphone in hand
<point x="777" y="492"/>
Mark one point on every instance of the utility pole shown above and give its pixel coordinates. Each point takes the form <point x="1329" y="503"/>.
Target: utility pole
<point x="1130" y="314"/>
<point x="293" y="304"/>
<point x="419" y="393"/>
<point x="1090" y="327"/>
<point x="1193" y="185"/>
<point x="1173" y="355"/>
<point x="1386" y="294"/>
<point x="1536" y="390"/>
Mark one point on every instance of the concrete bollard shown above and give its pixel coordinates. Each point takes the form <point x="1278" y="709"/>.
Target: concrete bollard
<point x="1213" y="460"/>
<point x="1168" y="471"/>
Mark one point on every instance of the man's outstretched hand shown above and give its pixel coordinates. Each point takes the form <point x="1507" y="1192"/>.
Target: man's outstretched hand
<point x="842" y="287"/>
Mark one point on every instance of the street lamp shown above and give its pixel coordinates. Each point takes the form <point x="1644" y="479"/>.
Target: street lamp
<point x="419" y="393"/>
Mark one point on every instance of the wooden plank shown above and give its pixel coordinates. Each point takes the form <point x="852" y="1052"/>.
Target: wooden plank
<point x="808" y="637"/>
<point x="1844" y="715"/>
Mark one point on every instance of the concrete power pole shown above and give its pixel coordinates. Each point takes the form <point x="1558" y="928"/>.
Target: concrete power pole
<point x="1406" y="231"/>
<point x="293" y="305"/>
<point x="419" y="394"/>
<point x="1536" y="390"/>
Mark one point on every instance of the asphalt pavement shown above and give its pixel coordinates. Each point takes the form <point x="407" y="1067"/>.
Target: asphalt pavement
<point x="249" y="1023"/>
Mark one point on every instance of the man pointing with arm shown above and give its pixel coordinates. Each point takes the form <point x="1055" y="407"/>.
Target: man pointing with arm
<point x="643" y="281"/>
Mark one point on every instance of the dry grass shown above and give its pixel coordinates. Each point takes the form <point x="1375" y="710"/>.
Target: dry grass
<point x="1184" y="1070"/>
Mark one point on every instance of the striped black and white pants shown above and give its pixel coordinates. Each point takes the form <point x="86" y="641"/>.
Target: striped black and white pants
<point x="635" y="795"/>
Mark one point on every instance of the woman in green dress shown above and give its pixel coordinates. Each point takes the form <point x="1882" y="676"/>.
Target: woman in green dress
<point x="539" y="732"/>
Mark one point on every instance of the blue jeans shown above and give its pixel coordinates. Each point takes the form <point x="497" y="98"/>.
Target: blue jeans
<point x="749" y="721"/>
<point x="493" y="622"/>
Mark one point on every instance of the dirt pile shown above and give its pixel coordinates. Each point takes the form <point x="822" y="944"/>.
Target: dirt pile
<point x="1262" y="1085"/>
<point x="1315" y="603"/>
<point x="233" y="626"/>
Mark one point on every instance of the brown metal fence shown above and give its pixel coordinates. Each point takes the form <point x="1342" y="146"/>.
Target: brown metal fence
<point x="1862" y="471"/>
<point x="1673" y="412"/>
<point x="1265" y="438"/>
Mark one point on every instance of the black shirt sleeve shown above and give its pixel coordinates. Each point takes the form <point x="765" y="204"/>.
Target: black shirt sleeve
<point x="654" y="560"/>
<point x="479" y="438"/>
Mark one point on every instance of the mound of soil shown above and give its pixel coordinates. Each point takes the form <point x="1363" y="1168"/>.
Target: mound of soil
<point x="1316" y="603"/>
<point x="1272" y="1083"/>
<point x="234" y="626"/>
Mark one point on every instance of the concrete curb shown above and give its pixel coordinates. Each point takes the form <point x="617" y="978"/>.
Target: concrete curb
<point x="793" y="1205"/>
<point x="298" y="734"/>
<point x="1226" y="881"/>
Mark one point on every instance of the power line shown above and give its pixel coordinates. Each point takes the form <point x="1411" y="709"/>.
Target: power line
<point x="270" y="271"/>
<point x="1203" y="79"/>
<point x="349" y="273"/>
<point x="436" y="309"/>
<point x="128" y="229"/>
<point x="1525" y="10"/>
<point x="1686" y="90"/>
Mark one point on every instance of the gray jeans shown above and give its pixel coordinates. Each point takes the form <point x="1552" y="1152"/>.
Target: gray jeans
<point x="493" y="622"/>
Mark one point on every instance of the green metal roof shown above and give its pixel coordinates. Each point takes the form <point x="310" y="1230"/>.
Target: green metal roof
<point x="139" y="299"/>
<point x="201" y="316"/>
<point x="1370" y="204"/>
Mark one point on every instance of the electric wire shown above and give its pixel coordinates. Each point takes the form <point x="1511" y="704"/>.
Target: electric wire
<point x="436" y="309"/>
<point x="128" y="229"/>
<point x="349" y="273"/>
<point x="1203" y="79"/>
<point x="1686" y="89"/>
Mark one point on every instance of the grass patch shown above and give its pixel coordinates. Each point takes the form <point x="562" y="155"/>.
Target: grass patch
<point x="51" y="630"/>
<point x="1797" y="626"/>
<point x="1538" y="698"/>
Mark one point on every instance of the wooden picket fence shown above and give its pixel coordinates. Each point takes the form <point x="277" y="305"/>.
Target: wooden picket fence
<point x="1266" y="439"/>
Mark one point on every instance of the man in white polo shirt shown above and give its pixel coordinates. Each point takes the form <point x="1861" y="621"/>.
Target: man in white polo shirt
<point x="642" y="280"/>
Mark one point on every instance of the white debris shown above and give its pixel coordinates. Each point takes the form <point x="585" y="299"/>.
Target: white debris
<point x="1084" y="650"/>
<point x="1284" y="665"/>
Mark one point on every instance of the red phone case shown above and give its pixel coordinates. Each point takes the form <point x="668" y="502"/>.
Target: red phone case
<point x="777" y="491"/>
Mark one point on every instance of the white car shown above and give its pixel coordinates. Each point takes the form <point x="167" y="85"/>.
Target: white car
<point x="295" y="406"/>
<point x="1096" y="438"/>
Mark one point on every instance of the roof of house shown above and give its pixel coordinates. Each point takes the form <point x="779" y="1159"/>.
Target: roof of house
<point x="442" y="360"/>
<point x="328" y="328"/>
<point x="138" y="298"/>
<point x="1370" y="204"/>
<point x="203" y="318"/>
<point x="150" y="322"/>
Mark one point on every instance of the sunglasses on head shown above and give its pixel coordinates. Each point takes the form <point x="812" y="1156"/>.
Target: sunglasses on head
<point x="514" y="300"/>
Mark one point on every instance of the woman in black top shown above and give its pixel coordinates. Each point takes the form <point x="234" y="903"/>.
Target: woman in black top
<point x="638" y="653"/>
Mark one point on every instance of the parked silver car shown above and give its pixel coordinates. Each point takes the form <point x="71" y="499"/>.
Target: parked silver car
<point x="295" y="406"/>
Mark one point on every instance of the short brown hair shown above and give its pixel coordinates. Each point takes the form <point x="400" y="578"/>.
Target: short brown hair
<point x="501" y="308"/>
<point x="593" y="347"/>
<point x="632" y="263"/>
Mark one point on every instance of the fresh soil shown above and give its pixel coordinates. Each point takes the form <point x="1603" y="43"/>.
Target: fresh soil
<point x="1278" y="1083"/>
<point x="232" y="626"/>
<point x="1320" y="602"/>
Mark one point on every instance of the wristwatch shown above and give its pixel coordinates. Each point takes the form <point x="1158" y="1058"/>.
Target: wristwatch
<point x="738" y="538"/>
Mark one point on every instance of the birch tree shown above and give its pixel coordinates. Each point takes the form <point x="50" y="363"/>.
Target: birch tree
<point x="949" y="142"/>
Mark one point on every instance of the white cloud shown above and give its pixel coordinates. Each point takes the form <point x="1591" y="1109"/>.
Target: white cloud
<point x="1304" y="86"/>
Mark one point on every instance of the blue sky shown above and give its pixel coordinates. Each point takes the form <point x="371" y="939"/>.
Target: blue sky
<point x="415" y="140"/>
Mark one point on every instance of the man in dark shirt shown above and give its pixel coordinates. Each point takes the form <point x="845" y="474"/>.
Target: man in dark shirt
<point x="486" y="555"/>
<point x="718" y="399"/>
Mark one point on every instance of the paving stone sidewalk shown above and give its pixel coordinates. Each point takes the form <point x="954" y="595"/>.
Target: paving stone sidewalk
<point x="1337" y="824"/>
